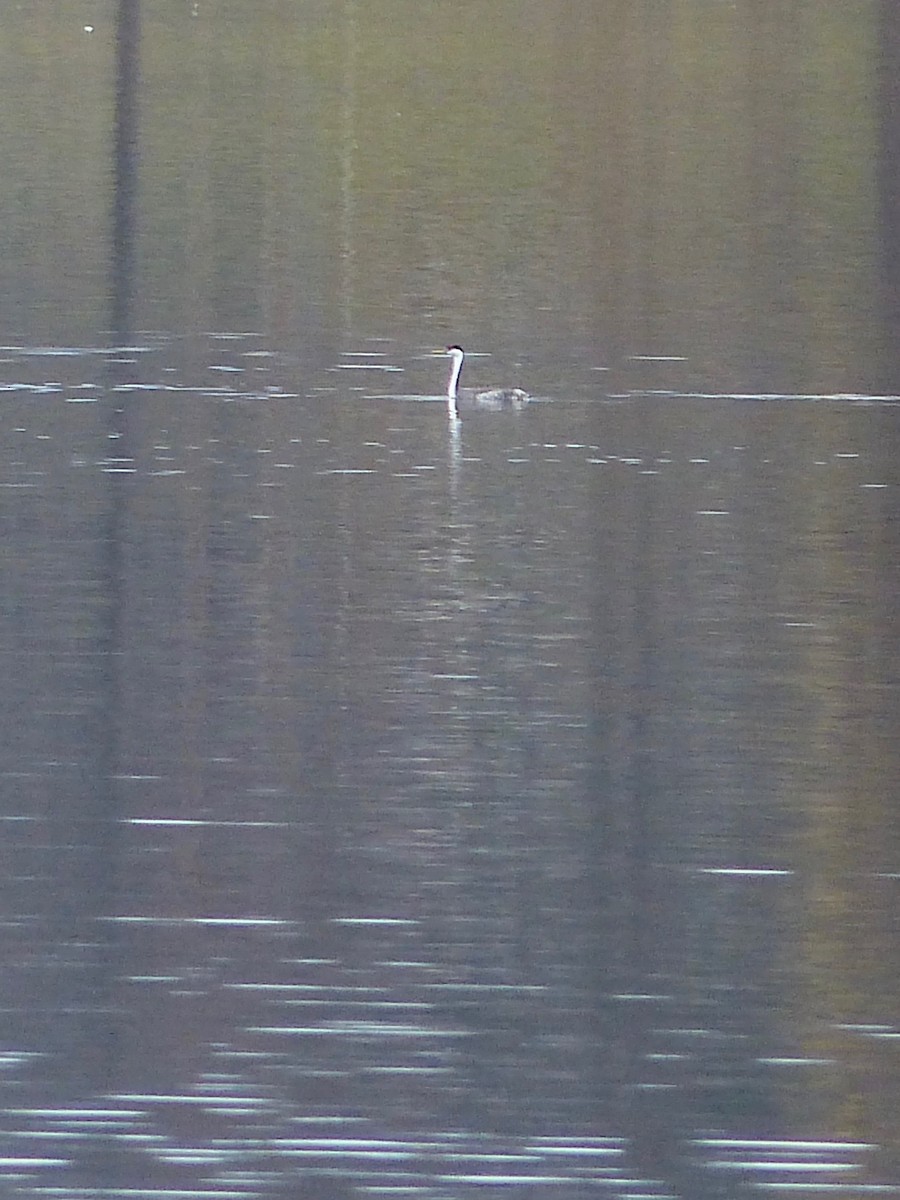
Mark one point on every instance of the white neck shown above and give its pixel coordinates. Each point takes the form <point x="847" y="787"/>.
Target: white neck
<point x="455" y="371"/>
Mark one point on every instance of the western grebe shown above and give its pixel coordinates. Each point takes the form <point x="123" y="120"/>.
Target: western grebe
<point x="472" y="398"/>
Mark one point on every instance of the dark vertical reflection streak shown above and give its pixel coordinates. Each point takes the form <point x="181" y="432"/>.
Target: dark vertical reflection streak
<point x="126" y="162"/>
<point x="106" y="749"/>
<point x="889" y="158"/>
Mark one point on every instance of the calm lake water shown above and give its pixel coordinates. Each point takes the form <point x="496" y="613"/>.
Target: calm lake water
<point x="396" y="805"/>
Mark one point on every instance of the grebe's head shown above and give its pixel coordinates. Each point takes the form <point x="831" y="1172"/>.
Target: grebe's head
<point x="454" y="350"/>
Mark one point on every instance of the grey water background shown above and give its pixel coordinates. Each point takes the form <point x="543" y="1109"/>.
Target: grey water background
<point x="396" y="806"/>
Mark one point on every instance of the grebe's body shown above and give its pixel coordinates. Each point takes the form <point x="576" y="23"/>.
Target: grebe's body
<point x="493" y="399"/>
